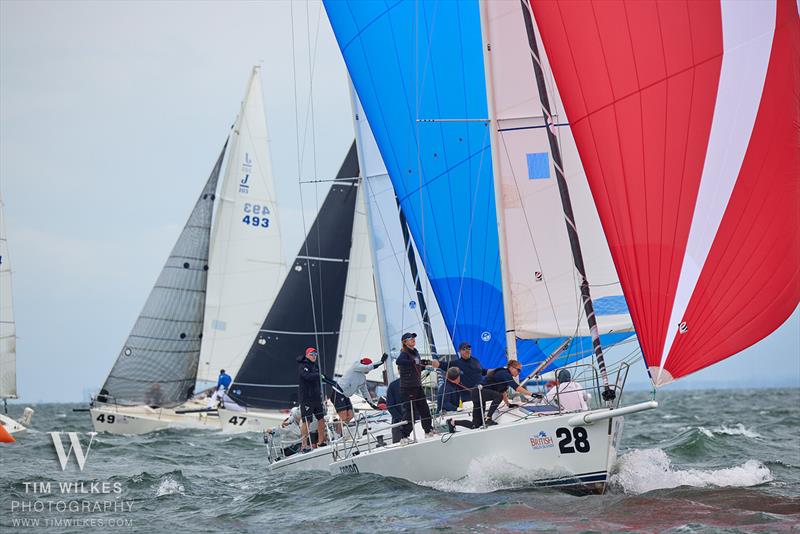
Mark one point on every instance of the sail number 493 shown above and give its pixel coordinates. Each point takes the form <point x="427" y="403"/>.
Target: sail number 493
<point x="256" y="215"/>
<point x="575" y="441"/>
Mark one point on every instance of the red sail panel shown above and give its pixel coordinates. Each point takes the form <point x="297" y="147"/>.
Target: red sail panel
<point x="640" y="83"/>
<point x="750" y="282"/>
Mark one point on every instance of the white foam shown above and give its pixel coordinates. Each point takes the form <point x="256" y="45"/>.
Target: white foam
<point x="640" y="471"/>
<point x="491" y="473"/>
<point x="739" y="430"/>
<point x="169" y="486"/>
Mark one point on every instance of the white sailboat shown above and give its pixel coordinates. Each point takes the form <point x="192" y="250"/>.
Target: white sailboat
<point x="332" y="308"/>
<point x="602" y="89"/>
<point x="8" y="338"/>
<point x="206" y="306"/>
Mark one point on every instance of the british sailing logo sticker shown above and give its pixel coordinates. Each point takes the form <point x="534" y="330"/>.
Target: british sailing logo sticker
<point x="542" y="441"/>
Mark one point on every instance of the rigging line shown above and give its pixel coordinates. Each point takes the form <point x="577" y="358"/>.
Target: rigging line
<point x="300" y="189"/>
<point x="530" y="231"/>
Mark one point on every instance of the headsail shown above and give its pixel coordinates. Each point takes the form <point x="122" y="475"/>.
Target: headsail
<point x="308" y="309"/>
<point x="360" y="328"/>
<point x="687" y="119"/>
<point x="400" y="303"/>
<point x="157" y="365"/>
<point x="247" y="263"/>
<point x="8" y="332"/>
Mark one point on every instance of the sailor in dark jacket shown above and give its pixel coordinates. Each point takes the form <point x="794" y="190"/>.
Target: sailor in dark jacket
<point x="394" y="405"/>
<point x="310" y="396"/>
<point x="450" y="395"/>
<point x="495" y="389"/>
<point x="410" y="366"/>
<point x="472" y="372"/>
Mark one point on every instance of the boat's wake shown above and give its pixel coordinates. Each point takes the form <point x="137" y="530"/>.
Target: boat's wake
<point x="491" y="473"/>
<point x="643" y="470"/>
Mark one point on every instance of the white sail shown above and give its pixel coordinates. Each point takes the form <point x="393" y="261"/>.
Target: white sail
<point x="399" y="308"/>
<point x="247" y="265"/>
<point x="544" y="284"/>
<point x="359" y="335"/>
<point x="8" y="334"/>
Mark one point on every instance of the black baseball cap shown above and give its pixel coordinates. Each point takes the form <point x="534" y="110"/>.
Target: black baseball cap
<point x="464" y="345"/>
<point x="408" y="335"/>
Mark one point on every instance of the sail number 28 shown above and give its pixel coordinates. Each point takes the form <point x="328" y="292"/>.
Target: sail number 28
<point x="566" y="444"/>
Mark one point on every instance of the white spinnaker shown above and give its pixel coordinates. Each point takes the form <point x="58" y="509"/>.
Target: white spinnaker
<point x="545" y="286"/>
<point x="398" y="303"/>
<point x="8" y="334"/>
<point x="359" y="334"/>
<point x="247" y="264"/>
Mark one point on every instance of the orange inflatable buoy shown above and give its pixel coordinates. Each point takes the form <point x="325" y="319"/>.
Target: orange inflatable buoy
<point x="5" y="436"/>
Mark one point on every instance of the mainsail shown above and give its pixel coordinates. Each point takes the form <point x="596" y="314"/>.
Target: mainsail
<point x="308" y="309"/>
<point x="8" y="333"/>
<point x="157" y="365"/>
<point x="561" y="278"/>
<point x="247" y="264"/>
<point x="686" y="116"/>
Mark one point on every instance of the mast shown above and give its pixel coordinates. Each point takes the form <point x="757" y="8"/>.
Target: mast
<point x="8" y="336"/>
<point x="569" y="217"/>
<point x="412" y="264"/>
<point x="508" y="311"/>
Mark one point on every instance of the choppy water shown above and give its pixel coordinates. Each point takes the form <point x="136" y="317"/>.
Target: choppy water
<point x="727" y="461"/>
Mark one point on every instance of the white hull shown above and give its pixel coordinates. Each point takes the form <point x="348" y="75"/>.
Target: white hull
<point x="320" y="459"/>
<point x="143" y="419"/>
<point x="13" y="426"/>
<point x="247" y="420"/>
<point x="546" y="449"/>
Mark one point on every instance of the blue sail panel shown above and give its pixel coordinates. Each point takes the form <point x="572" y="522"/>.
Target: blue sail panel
<point x="418" y="70"/>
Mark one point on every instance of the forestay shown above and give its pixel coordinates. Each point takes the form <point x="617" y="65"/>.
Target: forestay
<point x="247" y="262"/>
<point x="686" y="116"/>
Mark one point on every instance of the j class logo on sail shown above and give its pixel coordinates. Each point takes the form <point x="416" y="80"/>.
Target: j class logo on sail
<point x="255" y="215"/>
<point x="247" y="168"/>
<point x="542" y="441"/>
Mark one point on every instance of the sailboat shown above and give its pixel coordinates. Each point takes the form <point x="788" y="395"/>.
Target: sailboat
<point x="8" y="339"/>
<point x="204" y="308"/>
<point x="327" y="301"/>
<point x="682" y="119"/>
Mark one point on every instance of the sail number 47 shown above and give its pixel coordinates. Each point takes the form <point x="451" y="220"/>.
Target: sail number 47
<point x="566" y="444"/>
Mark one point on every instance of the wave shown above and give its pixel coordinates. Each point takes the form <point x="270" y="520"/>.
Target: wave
<point x="169" y="486"/>
<point x="491" y="473"/>
<point x="643" y="470"/>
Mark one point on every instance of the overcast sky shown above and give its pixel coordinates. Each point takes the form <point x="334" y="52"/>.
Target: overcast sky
<point x="111" y="117"/>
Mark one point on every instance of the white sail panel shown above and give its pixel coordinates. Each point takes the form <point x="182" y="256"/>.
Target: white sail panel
<point x="545" y="286"/>
<point x="8" y="334"/>
<point x="359" y="335"/>
<point x="398" y="301"/>
<point x="247" y="265"/>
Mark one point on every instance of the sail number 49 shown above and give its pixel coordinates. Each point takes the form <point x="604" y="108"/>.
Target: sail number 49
<point x="566" y="444"/>
<point x="103" y="418"/>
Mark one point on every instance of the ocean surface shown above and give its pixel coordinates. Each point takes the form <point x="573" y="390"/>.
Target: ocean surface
<point x="721" y="461"/>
